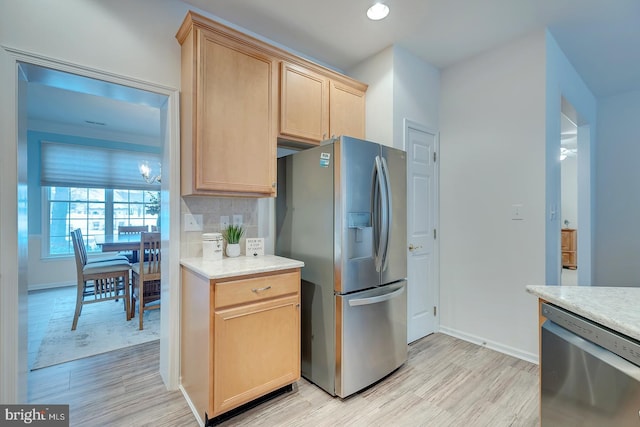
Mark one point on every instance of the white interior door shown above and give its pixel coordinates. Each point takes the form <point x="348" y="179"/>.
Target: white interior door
<point x="422" y="188"/>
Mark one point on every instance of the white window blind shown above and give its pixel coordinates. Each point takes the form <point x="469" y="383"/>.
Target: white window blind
<point x="71" y="165"/>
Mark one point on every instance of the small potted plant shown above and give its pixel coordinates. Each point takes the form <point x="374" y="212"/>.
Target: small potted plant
<point x="232" y="235"/>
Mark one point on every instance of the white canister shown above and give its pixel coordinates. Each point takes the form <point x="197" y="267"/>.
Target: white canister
<point x="212" y="246"/>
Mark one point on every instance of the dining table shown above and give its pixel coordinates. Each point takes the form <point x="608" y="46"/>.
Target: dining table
<point x="120" y="242"/>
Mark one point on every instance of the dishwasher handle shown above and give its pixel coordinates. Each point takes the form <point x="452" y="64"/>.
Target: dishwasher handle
<point x="377" y="299"/>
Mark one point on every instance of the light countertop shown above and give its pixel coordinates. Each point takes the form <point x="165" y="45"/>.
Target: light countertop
<point x="615" y="308"/>
<point x="239" y="266"/>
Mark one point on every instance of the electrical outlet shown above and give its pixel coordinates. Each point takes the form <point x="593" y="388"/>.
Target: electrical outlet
<point x="224" y="222"/>
<point x="192" y="222"/>
<point x="237" y="220"/>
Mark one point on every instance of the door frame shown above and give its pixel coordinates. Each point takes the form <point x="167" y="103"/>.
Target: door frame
<point x="410" y="124"/>
<point x="14" y="388"/>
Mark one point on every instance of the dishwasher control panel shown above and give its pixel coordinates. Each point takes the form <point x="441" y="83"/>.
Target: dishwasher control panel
<point x="623" y="346"/>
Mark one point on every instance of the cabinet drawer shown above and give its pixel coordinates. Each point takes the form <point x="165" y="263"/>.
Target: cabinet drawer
<point x="246" y="291"/>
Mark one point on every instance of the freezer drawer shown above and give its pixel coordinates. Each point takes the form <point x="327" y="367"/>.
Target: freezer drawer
<point x="371" y="336"/>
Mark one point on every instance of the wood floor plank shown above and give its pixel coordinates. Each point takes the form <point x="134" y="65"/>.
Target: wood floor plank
<point x="445" y="382"/>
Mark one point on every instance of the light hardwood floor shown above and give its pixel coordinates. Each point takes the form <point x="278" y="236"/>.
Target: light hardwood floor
<point x="445" y="382"/>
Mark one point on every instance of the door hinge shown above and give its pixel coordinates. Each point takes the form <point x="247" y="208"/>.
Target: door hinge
<point x="434" y="234"/>
<point x="435" y="310"/>
<point x="434" y="157"/>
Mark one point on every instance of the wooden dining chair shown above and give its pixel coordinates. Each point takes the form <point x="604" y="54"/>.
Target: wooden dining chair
<point x="132" y="229"/>
<point x="99" y="281"/>
<point x="97" y="257"/>
<point x="145" y="278"/>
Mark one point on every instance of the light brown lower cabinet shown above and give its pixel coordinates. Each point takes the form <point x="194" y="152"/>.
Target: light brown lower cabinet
<point x="240" y="338"/>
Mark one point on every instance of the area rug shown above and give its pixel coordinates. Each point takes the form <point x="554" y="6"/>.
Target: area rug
<point x="102" y="327"/>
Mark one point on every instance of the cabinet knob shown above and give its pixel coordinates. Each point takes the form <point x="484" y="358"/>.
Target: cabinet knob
<point x="256" y="290"/>
<point x="274" y="184"/>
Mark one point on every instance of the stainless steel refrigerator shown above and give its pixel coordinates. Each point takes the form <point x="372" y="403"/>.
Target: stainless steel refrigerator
<point x="341" y="208"/>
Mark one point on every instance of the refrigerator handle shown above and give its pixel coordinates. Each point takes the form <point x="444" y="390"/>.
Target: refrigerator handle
<point x="386" y="205"/>
<point x="375" y="217"/>
<point x="379" y="214"/>
<point x="374" y="300"/>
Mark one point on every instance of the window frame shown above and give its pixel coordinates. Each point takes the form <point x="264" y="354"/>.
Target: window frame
<point x="109" y="217"/>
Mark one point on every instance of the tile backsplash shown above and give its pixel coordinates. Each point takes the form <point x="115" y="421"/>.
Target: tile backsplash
<point x="256" y="218"/>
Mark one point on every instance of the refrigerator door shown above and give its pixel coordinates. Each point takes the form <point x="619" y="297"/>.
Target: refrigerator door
<point x="371" y="340"/>
<point x="354" y="248"/>
<point x="395" y="262"/>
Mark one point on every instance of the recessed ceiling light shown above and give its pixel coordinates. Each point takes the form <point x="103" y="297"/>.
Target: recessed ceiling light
<point x="378" y="11"/>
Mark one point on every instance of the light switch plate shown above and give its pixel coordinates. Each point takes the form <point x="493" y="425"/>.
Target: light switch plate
<point x="192" y="222"/>
<point x="237" y="220"/>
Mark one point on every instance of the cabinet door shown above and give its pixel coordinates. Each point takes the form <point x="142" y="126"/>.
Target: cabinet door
<point x="569" y="239"/>
<point x="347" y="111"/>
<point x="236" y="118"/>
<point x="304" y="104"/>
<point x="256" y="350"/>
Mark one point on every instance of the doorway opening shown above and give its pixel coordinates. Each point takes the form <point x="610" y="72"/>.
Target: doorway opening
<point x="98" y="120"/>
<point x="575" y="192"/>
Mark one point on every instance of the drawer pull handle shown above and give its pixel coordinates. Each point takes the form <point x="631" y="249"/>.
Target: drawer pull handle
<point x="256" y="290"/>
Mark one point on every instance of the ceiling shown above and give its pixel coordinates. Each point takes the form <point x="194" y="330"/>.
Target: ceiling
<point x="99" y="108"/>
<point x="601" y="38"/>
<point x="61" y="102"/>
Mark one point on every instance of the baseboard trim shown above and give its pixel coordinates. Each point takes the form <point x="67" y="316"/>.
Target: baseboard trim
<point x="43" y="286"/>
<point x="524" y="355"/>
<point x="191" y="405"/>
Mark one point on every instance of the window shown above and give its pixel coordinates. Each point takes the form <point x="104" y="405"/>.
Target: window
<point x="96" y="211"/>
<point x="94" y="188"/>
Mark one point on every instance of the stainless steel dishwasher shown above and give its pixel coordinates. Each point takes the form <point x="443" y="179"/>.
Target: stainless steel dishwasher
<point x="590" y="375"/>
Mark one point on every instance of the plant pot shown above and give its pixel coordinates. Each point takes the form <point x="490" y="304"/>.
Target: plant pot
<point x="233" y="249"/>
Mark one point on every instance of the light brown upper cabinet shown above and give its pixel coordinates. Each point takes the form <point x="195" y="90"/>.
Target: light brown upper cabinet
<point x="346" y="110"/>
<point x="240" y="96"/>
<point x="304" y="104"/>
<point x="314" y="106"/>
<point x="229" y="112"/>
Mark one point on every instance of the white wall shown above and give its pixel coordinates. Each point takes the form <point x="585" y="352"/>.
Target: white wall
<point x="401" y="86"/>
<point x="492" y="146"/>
<point x="617" y="237"/>
<point x="416" y="93"/>
<point x="134" y="39"/>
<point x="377" y="72"/>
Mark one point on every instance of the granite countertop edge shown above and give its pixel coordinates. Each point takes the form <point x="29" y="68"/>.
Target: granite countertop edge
<point x="617" y="308"/>
<point x="239" y="266"/>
